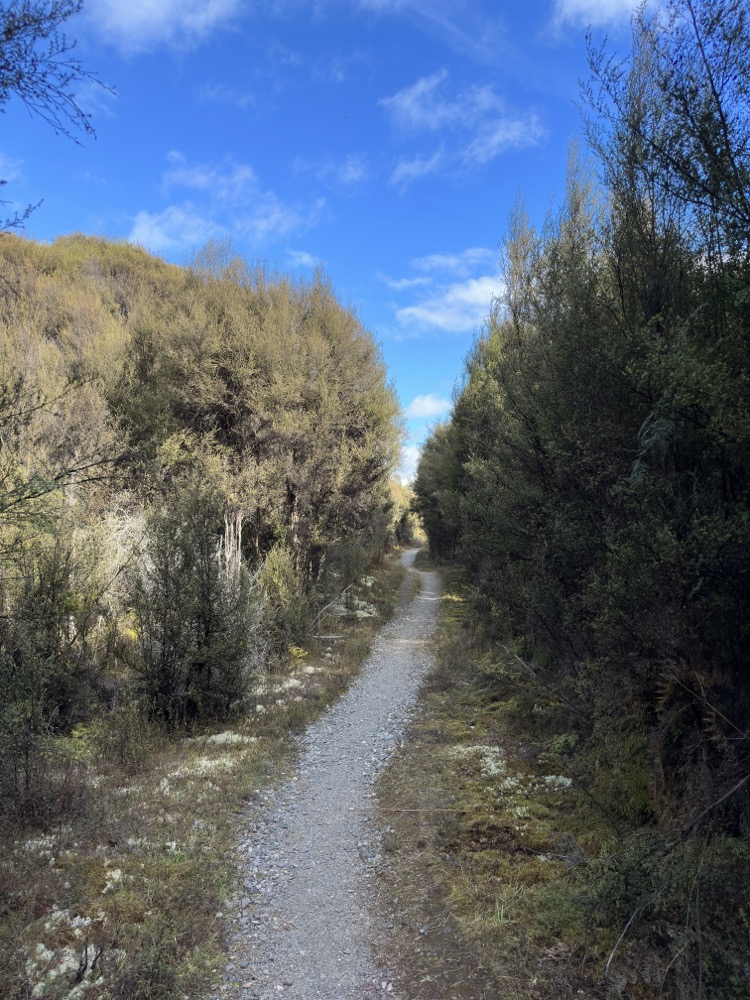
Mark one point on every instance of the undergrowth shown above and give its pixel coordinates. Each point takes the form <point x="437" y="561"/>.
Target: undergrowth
<point x="513" y="874"/>
<point x="121" y="896"/>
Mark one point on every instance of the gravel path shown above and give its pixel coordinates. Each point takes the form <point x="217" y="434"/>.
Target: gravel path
<point x="307" y="926"/>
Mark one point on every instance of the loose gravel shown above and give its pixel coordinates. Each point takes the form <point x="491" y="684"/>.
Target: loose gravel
<point x="307" y="927"/>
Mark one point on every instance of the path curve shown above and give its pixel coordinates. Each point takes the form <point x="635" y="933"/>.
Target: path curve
<point x="308" y="924"/>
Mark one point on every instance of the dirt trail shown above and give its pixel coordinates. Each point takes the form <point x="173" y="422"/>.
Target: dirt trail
<point x="308" y="924"/>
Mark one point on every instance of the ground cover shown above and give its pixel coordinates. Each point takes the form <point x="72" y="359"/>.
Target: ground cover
<point x="125" y="897"/>
<point x="485" y="830"/>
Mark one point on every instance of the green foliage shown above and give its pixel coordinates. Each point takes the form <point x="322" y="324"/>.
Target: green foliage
<point x="122" y="381"/>
<point x="595" y="476"/>
<point x="286" y="611"/>
<point x="435" y="492"/>
<point x="694" y="892"/>
<point x="196" y="619"/>
<point x="46" y="671"/>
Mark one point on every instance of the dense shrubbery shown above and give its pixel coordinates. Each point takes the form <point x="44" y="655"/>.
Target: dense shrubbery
<point x="595" y="476"/>
<point x="180" y="450"/>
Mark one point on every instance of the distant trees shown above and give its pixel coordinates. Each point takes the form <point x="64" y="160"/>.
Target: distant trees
<point x="595" y="477"/>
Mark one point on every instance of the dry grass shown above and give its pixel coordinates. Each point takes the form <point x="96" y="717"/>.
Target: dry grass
<point x="484" y="830"/>
<point x="125" y="899"/>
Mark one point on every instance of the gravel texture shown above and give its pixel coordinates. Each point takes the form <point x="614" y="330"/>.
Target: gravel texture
<point x="306" y="927"/>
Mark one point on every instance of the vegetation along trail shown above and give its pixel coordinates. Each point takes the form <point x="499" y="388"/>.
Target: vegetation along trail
<point x="305" y="925"/>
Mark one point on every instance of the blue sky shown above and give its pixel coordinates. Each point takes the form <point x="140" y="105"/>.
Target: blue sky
<point x="386" y="140"/>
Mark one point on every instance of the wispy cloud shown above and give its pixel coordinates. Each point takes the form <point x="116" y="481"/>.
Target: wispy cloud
<point x="462" y="26"/>
<point x="223" y="198"/>
<point x="474" y="123"/>
<point x="414" y="169"/>
<point x="459" y="264"/>
<point x="138" y="25"/>
<point x="451" y="293"/>
<point x="404" y="284"/>
<point x="596" y="13"/>
<point x="302" y="260"/>
<point x="10" y="168"/>
<point x="353" y="169"/>
<point x="426" y="407"/>
<point x="456" y="308"/>
<point x="174" y="228"/>
<point x="337" y="68"/>
<point x="226" y="182"/>
<point x="224" y="93"/>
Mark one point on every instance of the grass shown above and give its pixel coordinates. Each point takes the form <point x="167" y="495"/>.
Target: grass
<point x="512" y="874"/>
<point x="125" y="899"/>
<point x="485" y="829"/>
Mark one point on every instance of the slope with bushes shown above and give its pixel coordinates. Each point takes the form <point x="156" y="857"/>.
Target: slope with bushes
<point x="187" y="455"/>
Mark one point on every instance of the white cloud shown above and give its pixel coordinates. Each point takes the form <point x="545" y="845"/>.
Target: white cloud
<point x="451" y="292"/>
<point x="302" y="259"/>
<point x="456" y="308"/>
<point x="475" y="124"/>
<point x="507" y="133"/>
<point x="404" y="284"/>
<point x="353" y="169"/>
<point x="137" y="25"/>
<point x="271" y="218"/>
<point x="226" y="182"/>
<point x="424" y="407"/>
<point x="224" y="199"/>
<point x="594" y="12"/>
<point x="174" y="228"/>
<point x="410" y="455"/>
<point x="462" y="26"/>
<point x="463" y="263"/>
<point x="420" y="106"/>
<point x="416" y="168"/>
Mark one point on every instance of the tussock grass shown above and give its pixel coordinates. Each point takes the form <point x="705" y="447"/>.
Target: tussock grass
<point x="124" y="898"/>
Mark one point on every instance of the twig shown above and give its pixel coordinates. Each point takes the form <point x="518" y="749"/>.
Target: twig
<point x="715" y="804"/>
<point x="546" y="687"/>
<point x="702" y="698"/>
<point x="330" y="604"/>
<point x="625" y="930"/>
<point x="474" y="811"/>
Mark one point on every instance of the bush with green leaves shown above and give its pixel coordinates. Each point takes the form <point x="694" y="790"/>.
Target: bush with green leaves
<point x="196" y="611"/>
<point x="46" y="667"/>
<point x="286" y="608"/>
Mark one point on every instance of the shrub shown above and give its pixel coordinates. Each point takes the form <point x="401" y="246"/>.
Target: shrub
<point x="196" y="616"/>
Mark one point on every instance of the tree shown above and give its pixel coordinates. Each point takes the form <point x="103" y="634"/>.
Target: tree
<point x="38" y="65"/>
